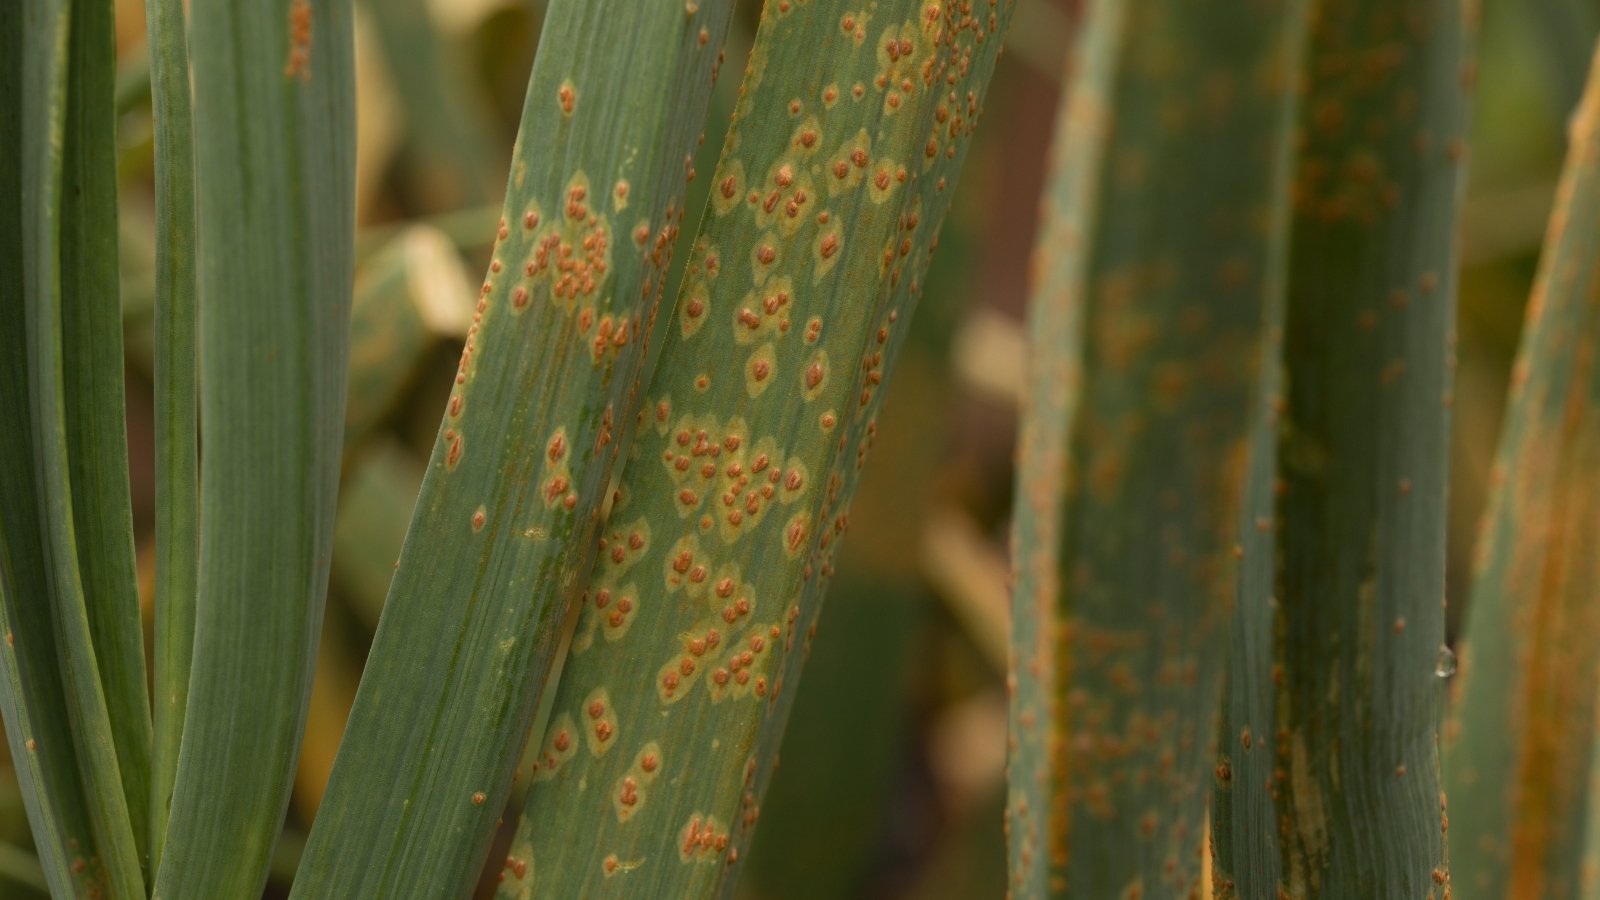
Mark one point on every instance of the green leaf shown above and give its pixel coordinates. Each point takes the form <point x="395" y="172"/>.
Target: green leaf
<point x="91" y="370"/>
<point x="835" y="176"/>
<point x="274" y="149"/>
<point x="1518" y="757"/>
<point x="1245" y="851"/>
<point x="1159" y="261"/>
<point x="69" y="553"/>
<point x="31" y="695"/>
<point x="177" y="476"/>
<point x="1335" y="752"/>
<point x="39" y="735"/>
<point x="1565" y="31"/>
<point x="509" y="508"/>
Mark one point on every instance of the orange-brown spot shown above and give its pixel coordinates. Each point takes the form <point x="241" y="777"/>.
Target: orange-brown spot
<point x="299" y="64"/>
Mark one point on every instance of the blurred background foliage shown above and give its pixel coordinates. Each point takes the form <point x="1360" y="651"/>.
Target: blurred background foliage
<point x="892" y="775"/>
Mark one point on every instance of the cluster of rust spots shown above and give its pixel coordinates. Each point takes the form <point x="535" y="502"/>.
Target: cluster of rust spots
<point x="834" y="512"/>
<point x="872" y="361"/>
<point x="611" y="335"/>
<point x="701" y="839"/>
<point x="600" y="722"/>
<point x="620" y="549"/>
<point x="848" y="168"/>
<point x="716" y="462"/>
<point x="759" y="369"/>
<point x="556" y="486"/>
<point x="678" y="675"/>
<point x="560" y="745"/>
<point x="610" y="602"/>
<point x="828" y="245"/>
<point x="854" y="26"/>
<point x="1362" y="100"/>
<point x="617" y="616"/>
<point x="605" y="433"/>
<point x="763" y="315"/>
<point x="516" y="866"/>
<point x="575" y="253"/>
<point x="629" y="792"/>
<point x="789" y="187"/>
<point x="299" y="64"/>
<point x="451" y="436"/>
<point x="899" y="68"/>
<point x="736" y="676"/>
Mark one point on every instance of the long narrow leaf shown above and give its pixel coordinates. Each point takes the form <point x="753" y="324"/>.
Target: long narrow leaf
<point x="1344" y="755"/>
<point x="68" y="202"/>
<point x="1159" y="262"/>
<point x="834" y="179"/>
<point x="31" y="697"/>
<point x="274" y="149"/>
<point x="92" y="388"/>
<point x="506" y="520"/>
<point x="1519" y="758"/>
<point x="177" y="457"/>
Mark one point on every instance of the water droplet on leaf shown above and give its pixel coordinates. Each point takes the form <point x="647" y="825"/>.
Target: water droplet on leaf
<point x="1445" y="666"/>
